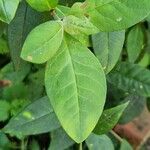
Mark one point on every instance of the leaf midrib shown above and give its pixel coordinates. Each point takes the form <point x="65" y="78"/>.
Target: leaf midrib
<point x="75" y="81"/>
<point x="40" y="47"/>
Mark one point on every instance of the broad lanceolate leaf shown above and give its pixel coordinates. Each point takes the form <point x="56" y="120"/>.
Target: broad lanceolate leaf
<point x="76" y="84"/>
<point x="43" y="5"/>
<point x="36" y="118"/>
<point x="107" y="47"/>
<point x="135" y="43"/>
<point x="109" y="119"/>
<point x="43" y="42"/>
<point x="132" y="78"/>
<point x="97" y="142"/>
<point x="8" y="9"/>
<point x="75" y="26"/>
<point x="110" y="15"/>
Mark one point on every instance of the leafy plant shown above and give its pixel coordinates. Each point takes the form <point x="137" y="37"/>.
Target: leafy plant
<point x="72" y="70"/>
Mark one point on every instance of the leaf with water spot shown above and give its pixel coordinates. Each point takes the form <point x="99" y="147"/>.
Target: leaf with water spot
<point x="132" y="78"/>
<point x="43" y="42"/>
<point x="75" y="83"/>
<point x="38" y="117"/>
<point x="111" y="15"/>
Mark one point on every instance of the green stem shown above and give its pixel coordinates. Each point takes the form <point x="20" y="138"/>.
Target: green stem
<point x="116" y="136"/>
<point x="22" y="144"/>
<point x="80" y="146"/>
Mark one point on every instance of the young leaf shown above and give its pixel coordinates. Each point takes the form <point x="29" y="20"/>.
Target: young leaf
<point x="114" y="15"/>
<point x="36" y="118"/>
<point x="75" y="26"/>
<point x="76" y="86"/>
<point x="132" y="78"/>
<point x="43" y="5"/>
<point x="109" y="119"/>
<point x="60" y="140"/>
<point x="8" y="9"/>
<point x="135" y="43"/>
<point x="96" y="142"/>
<point x="107" y="47"/>
<point x="43" y="42"/>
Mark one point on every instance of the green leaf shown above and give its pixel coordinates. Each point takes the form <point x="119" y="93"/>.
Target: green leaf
<point x="4" y="110"/>
<point x="111" y="15"/>
<point x="8" y="73"/>
<point x="36" y="118"/>
<point x="8" y="9"/>
<point x="37" y="49"/>
<point x="145" y="61"/>
<point x="107" y="47"/>
<point x="109" y="119"/>
<point x="25" y="20"/>
<point x="3" y="46"/>
<point x="60" y="140"/>
<point x="4" y="142"/>
<point x="134" y="109"/>
<point x="76" y="26"/>
<point x="43" y="5"/>
<point x="34" y="145"/>
<point x="135" y="43"/>
<point x="76" y="86"/>
<point x="125" y="145"/>
<point x="97" y="142"/>
<point x="132" y="78"/>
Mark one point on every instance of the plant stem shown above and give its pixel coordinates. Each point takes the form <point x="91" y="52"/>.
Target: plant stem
<point x="22" y="144"/>
<point x="116" y="136"/>
<point x="80" y="146"/>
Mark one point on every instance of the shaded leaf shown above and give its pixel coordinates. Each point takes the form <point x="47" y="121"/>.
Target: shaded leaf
<point x="60" y="140"/>
<point x="135" y="43"/>
<point x="132" y="78"/>
<point x="96" y="142"/>
<point x="36" y="118"/>
<point x="135" y="108"/>
<point x="107" y="47"/>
